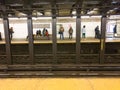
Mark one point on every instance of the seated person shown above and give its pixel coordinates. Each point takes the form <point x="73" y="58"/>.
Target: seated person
<point x="47" y="34"/>
<point x="28" y="37"/>
<point x="37" y="33"/>
<point x="44" y="31"/>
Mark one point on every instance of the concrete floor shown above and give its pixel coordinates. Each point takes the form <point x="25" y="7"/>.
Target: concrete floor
<point x="86" y="40"/>
<point x="60" y="84"/>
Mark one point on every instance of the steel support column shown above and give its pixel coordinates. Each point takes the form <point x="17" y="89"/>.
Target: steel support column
<point x="78" y="35"/>
<point x="54" y="40"/>
<point x="30" y="35"/>
<point x="7" y="40"/>
<point x="103" y="37"/>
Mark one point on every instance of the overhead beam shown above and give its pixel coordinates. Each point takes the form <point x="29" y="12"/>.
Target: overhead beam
<point x="75" y="5"/>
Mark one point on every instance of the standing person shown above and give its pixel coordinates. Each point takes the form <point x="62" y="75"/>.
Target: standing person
<point x="44" y="31"/>
<point x="11" y="32"/>
<point x="0" y="36"/>
<point x="83" y="32"/>
<point x="39" y="32"/>
<point x="115" y="30"/>
<point x="97" y="32"/>
<point x="70" y="32"/>
<point x="61" y="32"/>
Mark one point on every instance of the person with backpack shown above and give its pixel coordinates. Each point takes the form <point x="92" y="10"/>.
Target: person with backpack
<point x="61" y="32"/>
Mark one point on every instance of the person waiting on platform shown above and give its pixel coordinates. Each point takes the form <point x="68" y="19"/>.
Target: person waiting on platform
<point x="70" y="32"/>
<point x="47" y="34"/>
<point x="11" y="32"/>
<point x="38" y="33"/>
<point x="83" y="32"/>
<point x="61" y="32"/>
<point x="97" y="33"/>
<point x="115" y="30"/>
<point x="44" y="32"/>
<point x="0" y="36"/>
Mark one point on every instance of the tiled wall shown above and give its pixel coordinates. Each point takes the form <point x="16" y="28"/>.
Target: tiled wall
<point x="20" y="26"/>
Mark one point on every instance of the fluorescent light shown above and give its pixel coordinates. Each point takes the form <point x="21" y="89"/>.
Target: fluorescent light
<point x="44" y="17"/>
<point x="114" y="2"/>
<point x="73" y="12"/>
<point x="16" y="4"/>
<point x="9" y="15"/>
<point x="74" y="17"/>
<point x="39" y="13"/>
<point x="17" y="18"/>
<point x="34" y="18"/>
<point x="97" y="16"/>
<point x="36" y="13"/>
<point x="85" y="16"/>
<point x="115" y="8"/>
<point x="95" y="9"/>
<point x="19" y="14"/>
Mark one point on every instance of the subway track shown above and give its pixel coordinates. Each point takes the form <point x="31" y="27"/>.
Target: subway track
<point x="65" y="70"/>
<point x="65" y="64"/>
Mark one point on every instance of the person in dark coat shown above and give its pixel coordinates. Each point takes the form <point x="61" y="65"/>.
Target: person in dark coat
<point x="11" y="32"/>
<point x="0" y="36"/>
<point x="44" y="31"/>
<point x="70" y="32"/>
<point x="115" y="30"/>
<point x="39" y="32"/>
<point x="97" y="32"/>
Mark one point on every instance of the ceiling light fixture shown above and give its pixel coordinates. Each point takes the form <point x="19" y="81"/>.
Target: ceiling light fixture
<point x="73" y="12"/>
<point x="36" y="13"/>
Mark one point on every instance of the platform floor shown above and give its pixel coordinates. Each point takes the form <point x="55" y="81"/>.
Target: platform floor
<point x="60" y="84"/>
<point x="86" y="40"/>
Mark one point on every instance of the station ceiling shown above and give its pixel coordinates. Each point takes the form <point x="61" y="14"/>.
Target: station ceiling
<point x="21" y="8"/>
